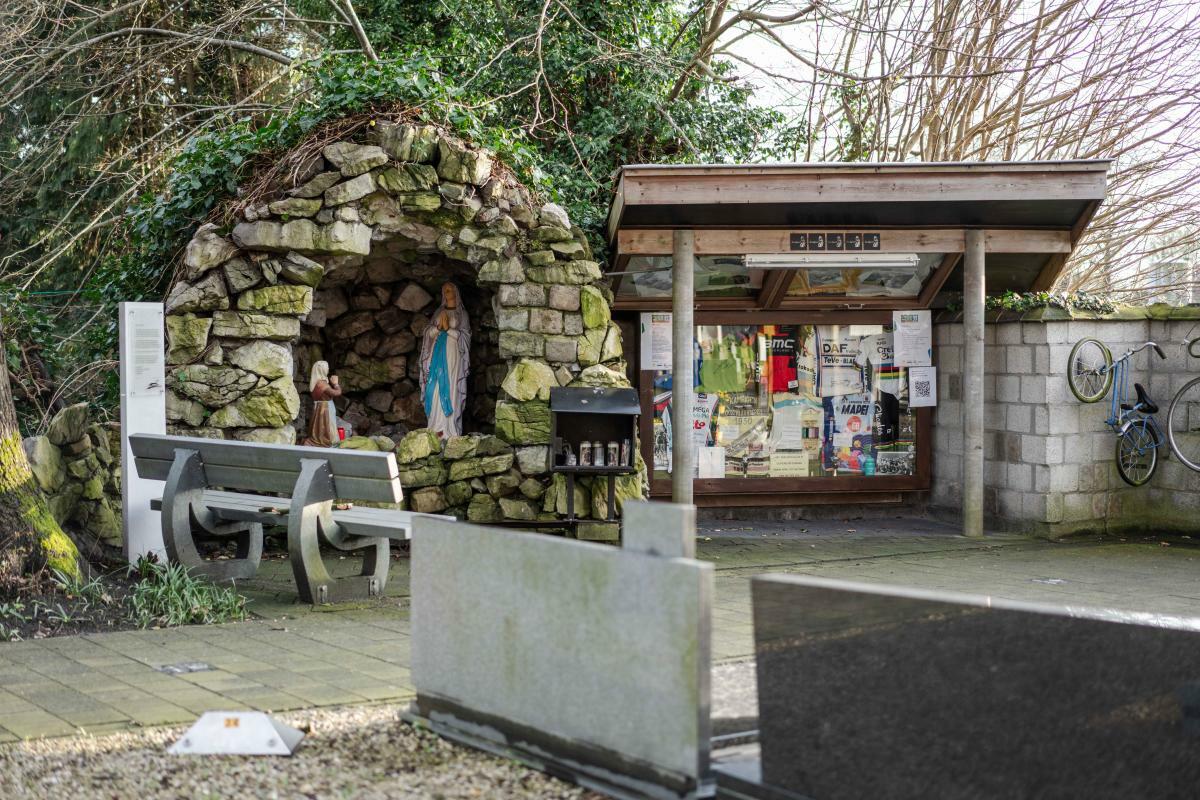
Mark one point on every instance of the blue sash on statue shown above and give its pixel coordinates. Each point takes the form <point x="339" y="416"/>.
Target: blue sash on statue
<point x="439" y="377"/>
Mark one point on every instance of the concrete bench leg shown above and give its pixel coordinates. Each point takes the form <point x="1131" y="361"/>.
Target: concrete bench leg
<point x="184" y="517"/>
<point x="311" y="522"/>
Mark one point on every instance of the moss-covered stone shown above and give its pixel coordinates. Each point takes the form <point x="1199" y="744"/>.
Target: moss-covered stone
<point x="417" y="445"/>
<point x="514" y="344"/>
<point x="466" y="468"/>
<point x="601" y="376"/>
<point x="270" y="406"/>
<point x="532" y="488"/>
<point x="598" y="532"/>
<point x="551" y="233"/>
<point x="517" y="508"/>
<point x="296" y="268"/>
<point x="428" y="500"/>
<point x="46" y="463"/>
<point x="406" y="142"/>
<point x="407" y="178"/>
<point x="458" y="493"/>
<point x="285" y="435"/>
<point x="503" y="484"/>
<point x="595" y="309"/>
<point x="460" y="164"/>
<point x="540" y="258"/>
<point x="206" y="294"/>
<point x="207" y="249"/>
<point x="460" y="447"/>
<point x="591" y="346"/>
<point x="555" y="499"/>
<point x="185" y="410"/>
<point x="93" y="488"/>
<point x="212" y="386"/>
<point x="529" y="380"/>
<point x="317" y="186"/>
<point x="419" y="201"/>
<point x="502" y="270"/>
<point x="523" y="423"/>
<point x="484" y="508"/>
<point x="364" y="443"/>
<point x="245" y="325"/>
<point x="429" y="473"/>
<point x="187" y="336"/>
<point x="361" y="374"/>
<point x="628" y="487"/>
<point x="283" y="298"/>
<point x="611" y="349"/>
<point x="295" y="207"/>
<point x="268" y="359"/>
<point x="354" y="159"/>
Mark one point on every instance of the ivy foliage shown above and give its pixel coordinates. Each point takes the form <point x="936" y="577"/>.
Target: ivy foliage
<point x="563" y="93"/>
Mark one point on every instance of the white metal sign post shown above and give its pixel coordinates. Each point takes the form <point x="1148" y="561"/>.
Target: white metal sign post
<point x="143" y="410"/>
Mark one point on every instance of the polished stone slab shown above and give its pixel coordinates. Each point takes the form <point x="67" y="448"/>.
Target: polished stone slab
<point x="885" y="692"/>
<point x="577" y="656"/>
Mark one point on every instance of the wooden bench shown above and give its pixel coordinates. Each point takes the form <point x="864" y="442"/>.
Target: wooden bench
<point x="194" y="507"/>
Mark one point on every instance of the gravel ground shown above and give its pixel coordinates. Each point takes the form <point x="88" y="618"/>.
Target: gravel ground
<point x="353" y="752"/>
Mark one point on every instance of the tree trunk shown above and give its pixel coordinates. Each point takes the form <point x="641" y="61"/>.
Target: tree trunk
<point x="30" y="537"/>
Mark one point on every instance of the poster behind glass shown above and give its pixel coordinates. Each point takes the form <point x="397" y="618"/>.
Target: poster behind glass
<point x="794" y="401"/>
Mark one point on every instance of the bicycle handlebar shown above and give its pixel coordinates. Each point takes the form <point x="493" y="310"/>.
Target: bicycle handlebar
<point x="1157" y="349"/>
<point x="1191" y="347"/>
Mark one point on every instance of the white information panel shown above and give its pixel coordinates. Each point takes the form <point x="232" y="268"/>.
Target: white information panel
<point x="143" y="410"/>
<point x="913" y="336"/>
<point x="656" y="340"/>
<point x="922" y="387"/>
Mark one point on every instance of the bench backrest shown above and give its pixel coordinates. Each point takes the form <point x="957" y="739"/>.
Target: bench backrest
<point x="357" y="475"/>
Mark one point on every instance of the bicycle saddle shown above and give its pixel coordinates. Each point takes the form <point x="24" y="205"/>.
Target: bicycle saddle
<point x="1143" y="400"/>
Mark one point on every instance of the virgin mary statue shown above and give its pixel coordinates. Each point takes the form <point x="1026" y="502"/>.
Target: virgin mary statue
<point x="445" y="353"/>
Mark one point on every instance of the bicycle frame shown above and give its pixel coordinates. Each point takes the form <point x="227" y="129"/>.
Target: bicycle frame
<point x="1120" y="419"/>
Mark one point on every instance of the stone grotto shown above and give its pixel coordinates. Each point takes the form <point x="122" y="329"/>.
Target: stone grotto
<point x="344" y="264"/>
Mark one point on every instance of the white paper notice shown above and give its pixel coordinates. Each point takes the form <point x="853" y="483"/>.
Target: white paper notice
<point x="711" y="462"/>
<point x="922" y="386"/>
<point x="913" y="336"/>
<point x="656" y="340"/>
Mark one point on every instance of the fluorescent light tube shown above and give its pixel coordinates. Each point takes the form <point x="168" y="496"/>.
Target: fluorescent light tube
<point x="831" y="260"/>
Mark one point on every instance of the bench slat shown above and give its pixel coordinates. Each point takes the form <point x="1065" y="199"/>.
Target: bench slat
<point x="269" y="480"/>
<point x="285" y="458"/>
<point x="384" y="522"/>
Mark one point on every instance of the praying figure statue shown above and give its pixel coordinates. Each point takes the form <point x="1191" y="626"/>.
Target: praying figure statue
<point x="445" y="356"/>
<point x="323" y="426"/>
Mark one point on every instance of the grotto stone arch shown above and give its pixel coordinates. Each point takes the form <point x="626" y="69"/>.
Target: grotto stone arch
<point x="343" y="263"/>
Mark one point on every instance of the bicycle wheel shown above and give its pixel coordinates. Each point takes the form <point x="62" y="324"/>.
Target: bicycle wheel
<point x="1137" y="454"/>
<point x="1183" y="424"/>
<point x="1089" y="370"/>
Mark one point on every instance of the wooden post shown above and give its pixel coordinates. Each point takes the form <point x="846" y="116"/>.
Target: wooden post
<point x="683" y="454"/>
<point x="972" y="382"/>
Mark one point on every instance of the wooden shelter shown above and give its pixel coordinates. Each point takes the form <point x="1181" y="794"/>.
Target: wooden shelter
<point x="755" y="259"/>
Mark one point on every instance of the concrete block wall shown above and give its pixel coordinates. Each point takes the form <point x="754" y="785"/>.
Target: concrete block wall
<point x="1049" y="459"/>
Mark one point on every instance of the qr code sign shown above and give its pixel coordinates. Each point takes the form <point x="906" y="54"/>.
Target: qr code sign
<point x="921" y="388"/>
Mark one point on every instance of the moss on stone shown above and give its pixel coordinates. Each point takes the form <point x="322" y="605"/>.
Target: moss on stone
<point x="283" y="298"/>
<point x="523" y="423"/>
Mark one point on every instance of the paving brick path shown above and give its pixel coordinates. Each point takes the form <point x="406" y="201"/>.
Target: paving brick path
<point x="290" y="657"/>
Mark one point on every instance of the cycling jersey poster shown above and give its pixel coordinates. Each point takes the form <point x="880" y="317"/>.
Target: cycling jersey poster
<point x="838" y="370"/>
